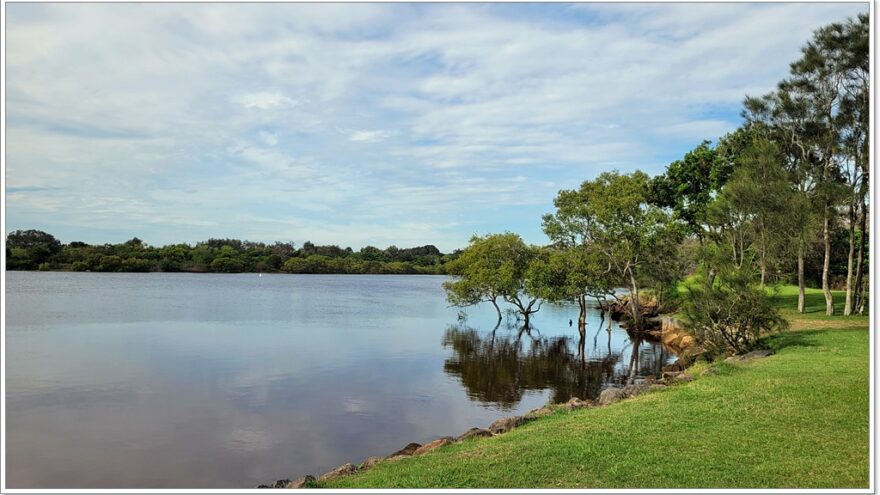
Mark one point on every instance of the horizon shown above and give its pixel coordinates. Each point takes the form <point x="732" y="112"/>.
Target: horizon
<point x="367" y="124"/>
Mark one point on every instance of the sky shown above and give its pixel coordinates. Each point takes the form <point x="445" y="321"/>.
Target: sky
<point x="363" y="124"/>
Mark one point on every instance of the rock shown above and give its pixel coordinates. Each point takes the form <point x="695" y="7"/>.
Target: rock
<point x="343" y="470"/>
<point x="671" y="368"/>
<point x="504" y="425"/>
<point x="436" y="444"/>
<point x="686" y="342"/>
<point x="668" y="375"/>
<point x="708" y="372"/>
<point x="279" y="484"/>
<point x="263" y="486"/>
<point x="683" y="377"/>
<point x="756" y="354"/>
<point x="575" y="403"/>
<point x="408" y="450"/>
<point x="540" y="412"/>
<point x="636" y="389"/>
<point x="370" y="462"/>
<point x="658" y="386"/>
<point x="751" y="355"/>
<point x="611" y="395"/>
<point x="397" y="457"/>
<point x="307" y="481"/>
<point x="474" y="433"/>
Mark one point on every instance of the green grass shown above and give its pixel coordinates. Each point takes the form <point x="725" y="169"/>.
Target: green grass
<point x="797" y="419"/>
<point x="814" y="303"/>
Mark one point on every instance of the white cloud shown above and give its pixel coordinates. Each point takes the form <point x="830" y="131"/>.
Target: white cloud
<point x="199" y="117"/>
<point x="368" y="136"/>
<point x="270" y="138"/>
<point x="266" y="100"/>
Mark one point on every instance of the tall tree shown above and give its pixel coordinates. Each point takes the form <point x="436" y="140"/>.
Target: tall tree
<point x="760" y="190"/>
<point x="612" y="215"/>
<point x="854" y="35"/>
<point x="818" y="76"/>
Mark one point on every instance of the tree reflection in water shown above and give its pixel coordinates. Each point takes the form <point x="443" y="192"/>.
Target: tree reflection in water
<point x="499" y="366"/>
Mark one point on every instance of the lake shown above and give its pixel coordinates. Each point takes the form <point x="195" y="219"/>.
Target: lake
<point x="167" y="380"/>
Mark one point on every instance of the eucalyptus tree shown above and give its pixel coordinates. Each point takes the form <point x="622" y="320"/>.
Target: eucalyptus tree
<point x="612" y="215"/>
<point x="854" y="35"/>
<point x="819" y="77"/>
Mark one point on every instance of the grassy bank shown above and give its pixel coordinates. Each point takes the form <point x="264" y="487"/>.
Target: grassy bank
<point x="796" y="419"/>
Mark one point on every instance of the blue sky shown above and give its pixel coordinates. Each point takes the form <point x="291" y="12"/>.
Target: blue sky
<point x="378" y="124"/>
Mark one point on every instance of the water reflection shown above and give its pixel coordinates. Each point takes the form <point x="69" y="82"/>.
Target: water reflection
<point x="498" y="367"/>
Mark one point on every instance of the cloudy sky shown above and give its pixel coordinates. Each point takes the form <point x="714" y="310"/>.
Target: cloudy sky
<point x="363" y="124"/>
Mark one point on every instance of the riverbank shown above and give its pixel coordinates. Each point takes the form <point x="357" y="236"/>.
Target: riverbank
<point x="798" y="418"/>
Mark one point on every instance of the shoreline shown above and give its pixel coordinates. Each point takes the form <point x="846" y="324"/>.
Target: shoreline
<point x="671" y="333"/>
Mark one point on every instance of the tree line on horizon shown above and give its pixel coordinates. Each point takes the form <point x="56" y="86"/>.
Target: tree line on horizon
<point x="783" y="198"/>
<point x="38" y="250"/>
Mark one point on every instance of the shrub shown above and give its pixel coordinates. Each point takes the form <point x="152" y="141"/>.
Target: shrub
<point x="226" y="265"/>
<point x="732" y="314"/>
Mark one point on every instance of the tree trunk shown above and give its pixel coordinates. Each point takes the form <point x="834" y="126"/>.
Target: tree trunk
<point x="634" y="303"/>
<point x="847" y="306"/>
<point x="498" y="310"/>
<point x="763" y="256"/>
<point x="582" y="317"/>
<point x="862" y="303"/>
<point x="826" y="265"/>
<point x="802" y="286"/>
<point x="860" y="264"/>
<point x="633" y="362"/>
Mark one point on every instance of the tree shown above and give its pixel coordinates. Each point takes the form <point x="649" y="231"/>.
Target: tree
<point x="612" y="214"/>
<point x="818" y="77"/>
<point x="573" y="274"/>
<point x="27" y="249"/>
<point x="759" y="190"/>
<point x="492" y="267"/>
<point x="731" y="314"/>
<point x="689" y="185"/>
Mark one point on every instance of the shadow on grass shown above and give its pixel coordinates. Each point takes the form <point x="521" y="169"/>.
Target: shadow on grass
<point x="779" y="341"/>
<point x="813" y="302"/>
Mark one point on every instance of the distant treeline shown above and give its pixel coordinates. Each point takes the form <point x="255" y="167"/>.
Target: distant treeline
<point x="38" y="250"/>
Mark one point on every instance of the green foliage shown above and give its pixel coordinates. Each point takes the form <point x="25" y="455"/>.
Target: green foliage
<point x="613" y="217"/>
<point x="33" y="249"/>
<point x="558" y="275"/>
<point x="492" y="267"/>
<point x="731" y="314"/>
<point x="27" y="249"/>
<point x="226" y="265"/>
<point x="689" y="185"/>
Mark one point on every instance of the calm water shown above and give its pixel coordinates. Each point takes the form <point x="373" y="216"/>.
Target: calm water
<point x="184" y="380"/>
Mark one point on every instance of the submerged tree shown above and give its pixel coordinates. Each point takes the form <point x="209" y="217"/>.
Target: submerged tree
<point x="572" y="274"/>
<point x="492" y="267"/>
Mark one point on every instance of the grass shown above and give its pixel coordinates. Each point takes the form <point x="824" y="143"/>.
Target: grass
<point x="798" y="419"/>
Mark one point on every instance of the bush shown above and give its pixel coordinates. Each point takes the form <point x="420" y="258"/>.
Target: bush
<point x="732" y="314"/>
<point x="226" y="265"/>
<point x="79" y="266"/>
